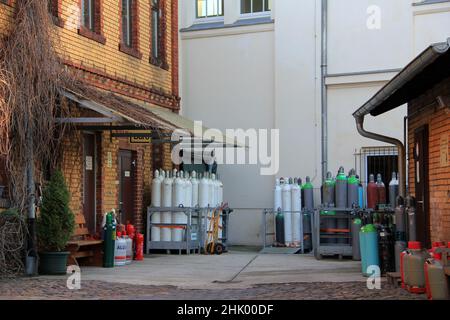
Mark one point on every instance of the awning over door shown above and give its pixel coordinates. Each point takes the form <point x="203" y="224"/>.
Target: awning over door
<point x="117" y="113"/>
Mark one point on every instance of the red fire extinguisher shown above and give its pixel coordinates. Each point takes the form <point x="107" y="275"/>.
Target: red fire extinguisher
<point x="139" y="247"/>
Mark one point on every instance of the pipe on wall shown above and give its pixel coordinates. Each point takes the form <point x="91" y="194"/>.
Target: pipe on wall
<point x="324" y="97"/>
<point x="400" y="146"/>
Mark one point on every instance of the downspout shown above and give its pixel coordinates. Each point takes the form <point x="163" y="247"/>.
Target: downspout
<point x="396" y="142"/>
<point x="324" y="98"/>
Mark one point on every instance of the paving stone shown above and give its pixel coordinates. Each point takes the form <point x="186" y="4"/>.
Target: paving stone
<point x="38" y="288"/>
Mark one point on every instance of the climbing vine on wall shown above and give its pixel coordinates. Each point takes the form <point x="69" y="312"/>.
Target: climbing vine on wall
<point x="31" y="76"/>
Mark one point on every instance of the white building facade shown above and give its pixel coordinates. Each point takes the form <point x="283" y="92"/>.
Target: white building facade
<point x="258" y="64"/>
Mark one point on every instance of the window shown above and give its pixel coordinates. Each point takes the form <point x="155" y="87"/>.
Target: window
<point x="158" y="26"/>
<point x="88" y="14"/>
<point x="127" y="22"/>
<point x="377" y="160"/>
<point x="255" y="6"/>
<point x="209" y="8"/>
<point x="91" y="20"/>
<point x="129" y="28"/>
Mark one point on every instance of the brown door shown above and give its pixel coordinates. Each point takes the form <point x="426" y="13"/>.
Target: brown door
<point x="89" y="204"/>
<point x="126" y="188"/>
<point x="422" y="185"/>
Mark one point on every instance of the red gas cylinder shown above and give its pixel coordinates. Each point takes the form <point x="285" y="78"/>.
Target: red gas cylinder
<point x="139" y="247"/>
<point x="372" y="193"/>
<point x="402" y="267"/>
<point x="131" y="231"/>
<point x="414" y="268"/>
<point x="436" y="281"/>
<point x="434" y="247"/>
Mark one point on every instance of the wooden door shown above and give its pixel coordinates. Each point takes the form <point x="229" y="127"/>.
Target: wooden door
<point x="89" y="173"/>
<point x="127" y="192"/>
<point x="421" y="156"/>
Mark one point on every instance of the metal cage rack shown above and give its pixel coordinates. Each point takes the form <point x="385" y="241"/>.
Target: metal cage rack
<point x="269" y="216"/>
<point x="321" y="248"/>
<point x="195" y="235"/>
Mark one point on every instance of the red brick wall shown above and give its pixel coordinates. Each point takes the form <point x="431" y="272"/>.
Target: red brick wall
<point x="438" y="121"/>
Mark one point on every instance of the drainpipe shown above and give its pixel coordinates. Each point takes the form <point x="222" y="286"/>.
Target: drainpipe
<point x="396" y="142"/>
<point x="324" y="98"/>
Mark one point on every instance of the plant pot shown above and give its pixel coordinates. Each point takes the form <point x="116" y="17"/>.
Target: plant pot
<point x="53" y="263"/>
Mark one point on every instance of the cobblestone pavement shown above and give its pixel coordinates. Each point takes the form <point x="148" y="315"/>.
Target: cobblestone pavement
<point x="26" y="288"/>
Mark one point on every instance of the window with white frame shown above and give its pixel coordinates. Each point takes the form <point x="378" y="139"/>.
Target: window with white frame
<point x="209" y="8"/>
<point x="256" y="6"/>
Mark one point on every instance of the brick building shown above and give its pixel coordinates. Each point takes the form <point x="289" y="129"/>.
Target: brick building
<point x="425" y="86"/>
<point x="126" y="51"/>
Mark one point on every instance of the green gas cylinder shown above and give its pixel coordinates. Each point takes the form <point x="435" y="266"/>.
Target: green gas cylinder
<point x="109" y="239"/>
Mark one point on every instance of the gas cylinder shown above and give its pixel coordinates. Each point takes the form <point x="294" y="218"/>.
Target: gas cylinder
<point x="120" y="252"/>
<point x="139" y="247"/>
<point x="399" y="248"/>
<point x="410" y="208"/>
<point x="308" y="195"/>
<point x="356" y="248"/>
<point x="203" y="192"/>
<point x="129" y="250"/>
<point x="372" y="193"/>
<point x="194" y="182"/>
<point x="436" y="282"/>
<point x="386" y="249"/>
<point x="131" y="230"/>
<point x="393" y="190"/>
<point x="341" y="189"/>
<point x="109" y="239"/>
<point x="212" y="191"/>
<point x="278" y="203"/>
<point x="369" y="248"/>
<point x="360" y="193"/>
<point x="296" y="207"/>
<point x="414" y="268"/>
<point x="341" y="200"/>
<point x="287" y="211"/>
<point x="166" y="217"/>
<point x="279" y="225"/>
<point x="220" y="192"/>
<point x="156" y="203"/>
<point x="188" y="191"/>
<point x="178" y="201"/>
<point x="352" y="190"/>
<point x="328" y="191"/>
<point x="381" y="189"/>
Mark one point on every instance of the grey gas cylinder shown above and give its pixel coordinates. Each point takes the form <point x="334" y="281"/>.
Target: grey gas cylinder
<point x="341" y="189"/>
<point x="356" y="248"/>
<point x="410" y="213"/>
<point x="308" y="195"/>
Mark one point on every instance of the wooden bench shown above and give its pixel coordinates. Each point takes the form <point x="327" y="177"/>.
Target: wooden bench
<point x="82" y="247"/>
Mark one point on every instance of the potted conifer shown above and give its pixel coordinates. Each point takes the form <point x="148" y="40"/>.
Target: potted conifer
<point x="55" y="225"/>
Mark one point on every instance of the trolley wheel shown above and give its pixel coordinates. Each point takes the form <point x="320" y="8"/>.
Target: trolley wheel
<point x="219" y="249"/>
<point x="319" y="257"/>
<point x="341" y="257"/>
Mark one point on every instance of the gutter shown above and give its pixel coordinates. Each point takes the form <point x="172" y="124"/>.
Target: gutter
<point x="400" y="146"/>
<point x="324" y="97"/>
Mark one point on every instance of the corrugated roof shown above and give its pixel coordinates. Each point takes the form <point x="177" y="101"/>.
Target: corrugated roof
<point x="144" y="115"/>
